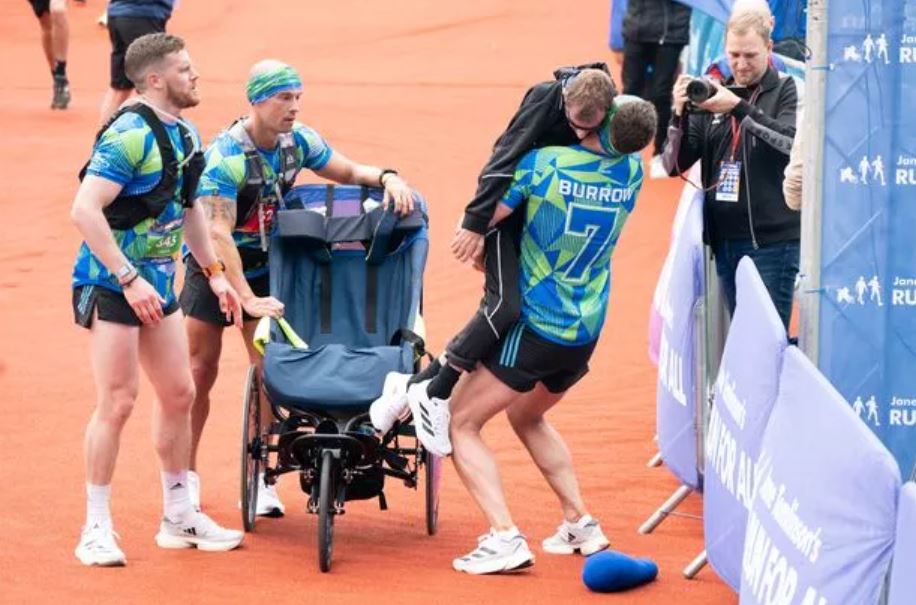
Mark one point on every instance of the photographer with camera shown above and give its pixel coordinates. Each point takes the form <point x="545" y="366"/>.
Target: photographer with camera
<point x="742" y="131"/>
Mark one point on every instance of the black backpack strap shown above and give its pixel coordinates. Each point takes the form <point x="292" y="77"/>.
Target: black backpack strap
<point x="127" y="211"/>
<point x="193" y="166"/>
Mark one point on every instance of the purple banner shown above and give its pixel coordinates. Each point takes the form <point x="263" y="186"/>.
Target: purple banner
<point x="744" y="393"/>
<point x="675" y="393"/>
<point x="689" y="195"/>
<point x="903" y="580"/>
<point x="821" y="527"/>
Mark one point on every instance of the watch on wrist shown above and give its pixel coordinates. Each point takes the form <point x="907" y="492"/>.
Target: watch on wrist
<point x="213" y="269"/>
<point x="124" y="273"/>
<point x="385" y="171"/>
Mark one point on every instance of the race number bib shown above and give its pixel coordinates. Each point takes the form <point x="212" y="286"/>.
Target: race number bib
<point x="729" y="181"/>
<point x="164" y="241"/>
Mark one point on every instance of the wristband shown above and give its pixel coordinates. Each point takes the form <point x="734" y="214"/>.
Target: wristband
<point x="213" y="269"/>
<point x="131" y="280"/>
<point x="381" y="176"/>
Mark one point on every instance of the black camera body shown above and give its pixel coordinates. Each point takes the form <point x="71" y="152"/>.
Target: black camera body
<point x="700" y="90"/>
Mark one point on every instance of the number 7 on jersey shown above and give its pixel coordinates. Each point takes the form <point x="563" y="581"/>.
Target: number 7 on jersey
<point x="596" y="225"/>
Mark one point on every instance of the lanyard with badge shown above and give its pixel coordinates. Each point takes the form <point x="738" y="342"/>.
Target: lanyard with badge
<point x="730" y="169"/>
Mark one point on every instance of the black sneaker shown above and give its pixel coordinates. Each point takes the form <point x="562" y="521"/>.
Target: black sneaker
<point x="61" y="93"/>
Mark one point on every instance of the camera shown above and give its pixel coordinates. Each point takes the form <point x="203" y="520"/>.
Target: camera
<point x="700" y="90"/>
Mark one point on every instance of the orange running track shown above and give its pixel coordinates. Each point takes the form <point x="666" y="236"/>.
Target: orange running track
<point x="422" y="86"/>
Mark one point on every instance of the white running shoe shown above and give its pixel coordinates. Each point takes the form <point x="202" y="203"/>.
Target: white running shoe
<point x="431" y="419"/>
<point x="584" y="536"/>
<point x="269" y="504"/>
<point x="657" y="168"/>
<point x="197" y="531"/>
<point x="98" y="546"/>
<point x="391" y="404"/>
<point x="495" y="554"/>
<point x="194" y="489"/>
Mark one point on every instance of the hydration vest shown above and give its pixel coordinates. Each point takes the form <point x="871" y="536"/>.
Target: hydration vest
<point x="126" y="211"/>
<point x="251" y="192"/>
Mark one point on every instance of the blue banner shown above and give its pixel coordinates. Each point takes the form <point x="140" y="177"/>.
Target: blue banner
<point x="867" y="323"/>
<point x="676" y="397"/>
<point x="744" y="394"/>
<point x="903" y="580"/>
<point x="821" y="527"/>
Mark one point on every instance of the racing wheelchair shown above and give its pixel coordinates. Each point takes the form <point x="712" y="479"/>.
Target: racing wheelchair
<point x="350" y="274"/>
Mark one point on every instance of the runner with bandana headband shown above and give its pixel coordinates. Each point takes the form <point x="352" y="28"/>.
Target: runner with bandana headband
<point x="249" y="166"/>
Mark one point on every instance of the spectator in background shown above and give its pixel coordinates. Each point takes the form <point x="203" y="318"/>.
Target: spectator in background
<point x="127" y="21"/>
<point x="743" y="146"/>
<point x="55" y="37"/>
<point x="654" y="32"/>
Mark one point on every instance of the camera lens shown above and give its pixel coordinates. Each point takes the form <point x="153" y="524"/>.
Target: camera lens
<point x="699" y="90"/>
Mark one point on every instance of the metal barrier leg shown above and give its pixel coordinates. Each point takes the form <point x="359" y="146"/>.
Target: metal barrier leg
<point x="655" y="461"/>
<point x="670" y="504"/>
<point x="691" y="571"/>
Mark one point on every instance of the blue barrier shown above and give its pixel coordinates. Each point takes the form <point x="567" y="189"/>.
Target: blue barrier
<point x="745" y="391"/>
<point x="676" y="396"/>
<point x="903" y="580"/>
<point x="821" y="527"/>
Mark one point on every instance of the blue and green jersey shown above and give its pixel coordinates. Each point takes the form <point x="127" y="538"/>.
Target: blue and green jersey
<point x="577" y="204"/>
<point x="225" y="176"/>
<point x="127" y="154"/>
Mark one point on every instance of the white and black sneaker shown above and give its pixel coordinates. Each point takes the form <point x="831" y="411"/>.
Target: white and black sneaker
<point x="391" y="404"/>
<point x="197" y="531"/>
<point x="496" y="552"/>
<point x="98" y="546"/>
<point x="431" y="419"/>
<point x="584" y="536"/>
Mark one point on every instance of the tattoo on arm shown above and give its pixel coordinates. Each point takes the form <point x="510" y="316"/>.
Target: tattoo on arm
<point x="219" y="210"/>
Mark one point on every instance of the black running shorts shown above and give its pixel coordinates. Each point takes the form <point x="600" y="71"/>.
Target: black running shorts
<point x="122" y="31"/>
<point x="108" y="305"/>
<point x="198" y="301"/>
<point x="523" y="358"/>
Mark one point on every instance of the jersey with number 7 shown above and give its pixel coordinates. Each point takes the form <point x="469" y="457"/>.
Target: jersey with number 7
<point x="577" y="204"/>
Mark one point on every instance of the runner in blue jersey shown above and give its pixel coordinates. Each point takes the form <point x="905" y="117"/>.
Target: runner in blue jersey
<point x="132" y="208"/>
<point x="249" y="167"/>
<point x="576" y="201"/>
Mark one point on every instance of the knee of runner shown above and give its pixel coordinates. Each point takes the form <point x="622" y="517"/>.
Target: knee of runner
<point x="117" y="407"/>
<point x="180" y="400"/>
<point x="521" y="420"/>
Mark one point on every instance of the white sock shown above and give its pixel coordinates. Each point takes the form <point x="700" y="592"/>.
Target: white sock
<point x="98" y="505"/>
<point x="176" y="496"/>
<point x="507" y="534"/>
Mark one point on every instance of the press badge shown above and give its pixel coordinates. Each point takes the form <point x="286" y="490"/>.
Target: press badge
<point x="729" y="181"/>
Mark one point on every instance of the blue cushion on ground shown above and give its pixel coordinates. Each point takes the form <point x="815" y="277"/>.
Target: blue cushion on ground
<point x="611" y="571"/>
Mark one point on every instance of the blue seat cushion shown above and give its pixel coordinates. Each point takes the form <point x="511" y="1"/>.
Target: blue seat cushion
<point x="330" y="376"/>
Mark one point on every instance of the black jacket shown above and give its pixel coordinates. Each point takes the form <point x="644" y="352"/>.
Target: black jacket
<point x="659" y="21"/>
<point x="539" y="121"/>
<point x="766" y="130"/>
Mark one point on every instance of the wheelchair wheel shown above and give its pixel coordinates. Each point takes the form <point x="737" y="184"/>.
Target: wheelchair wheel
<point x="251" y="447"/>
<point x="326" y="511"/>
<point x="433" y="473"/>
